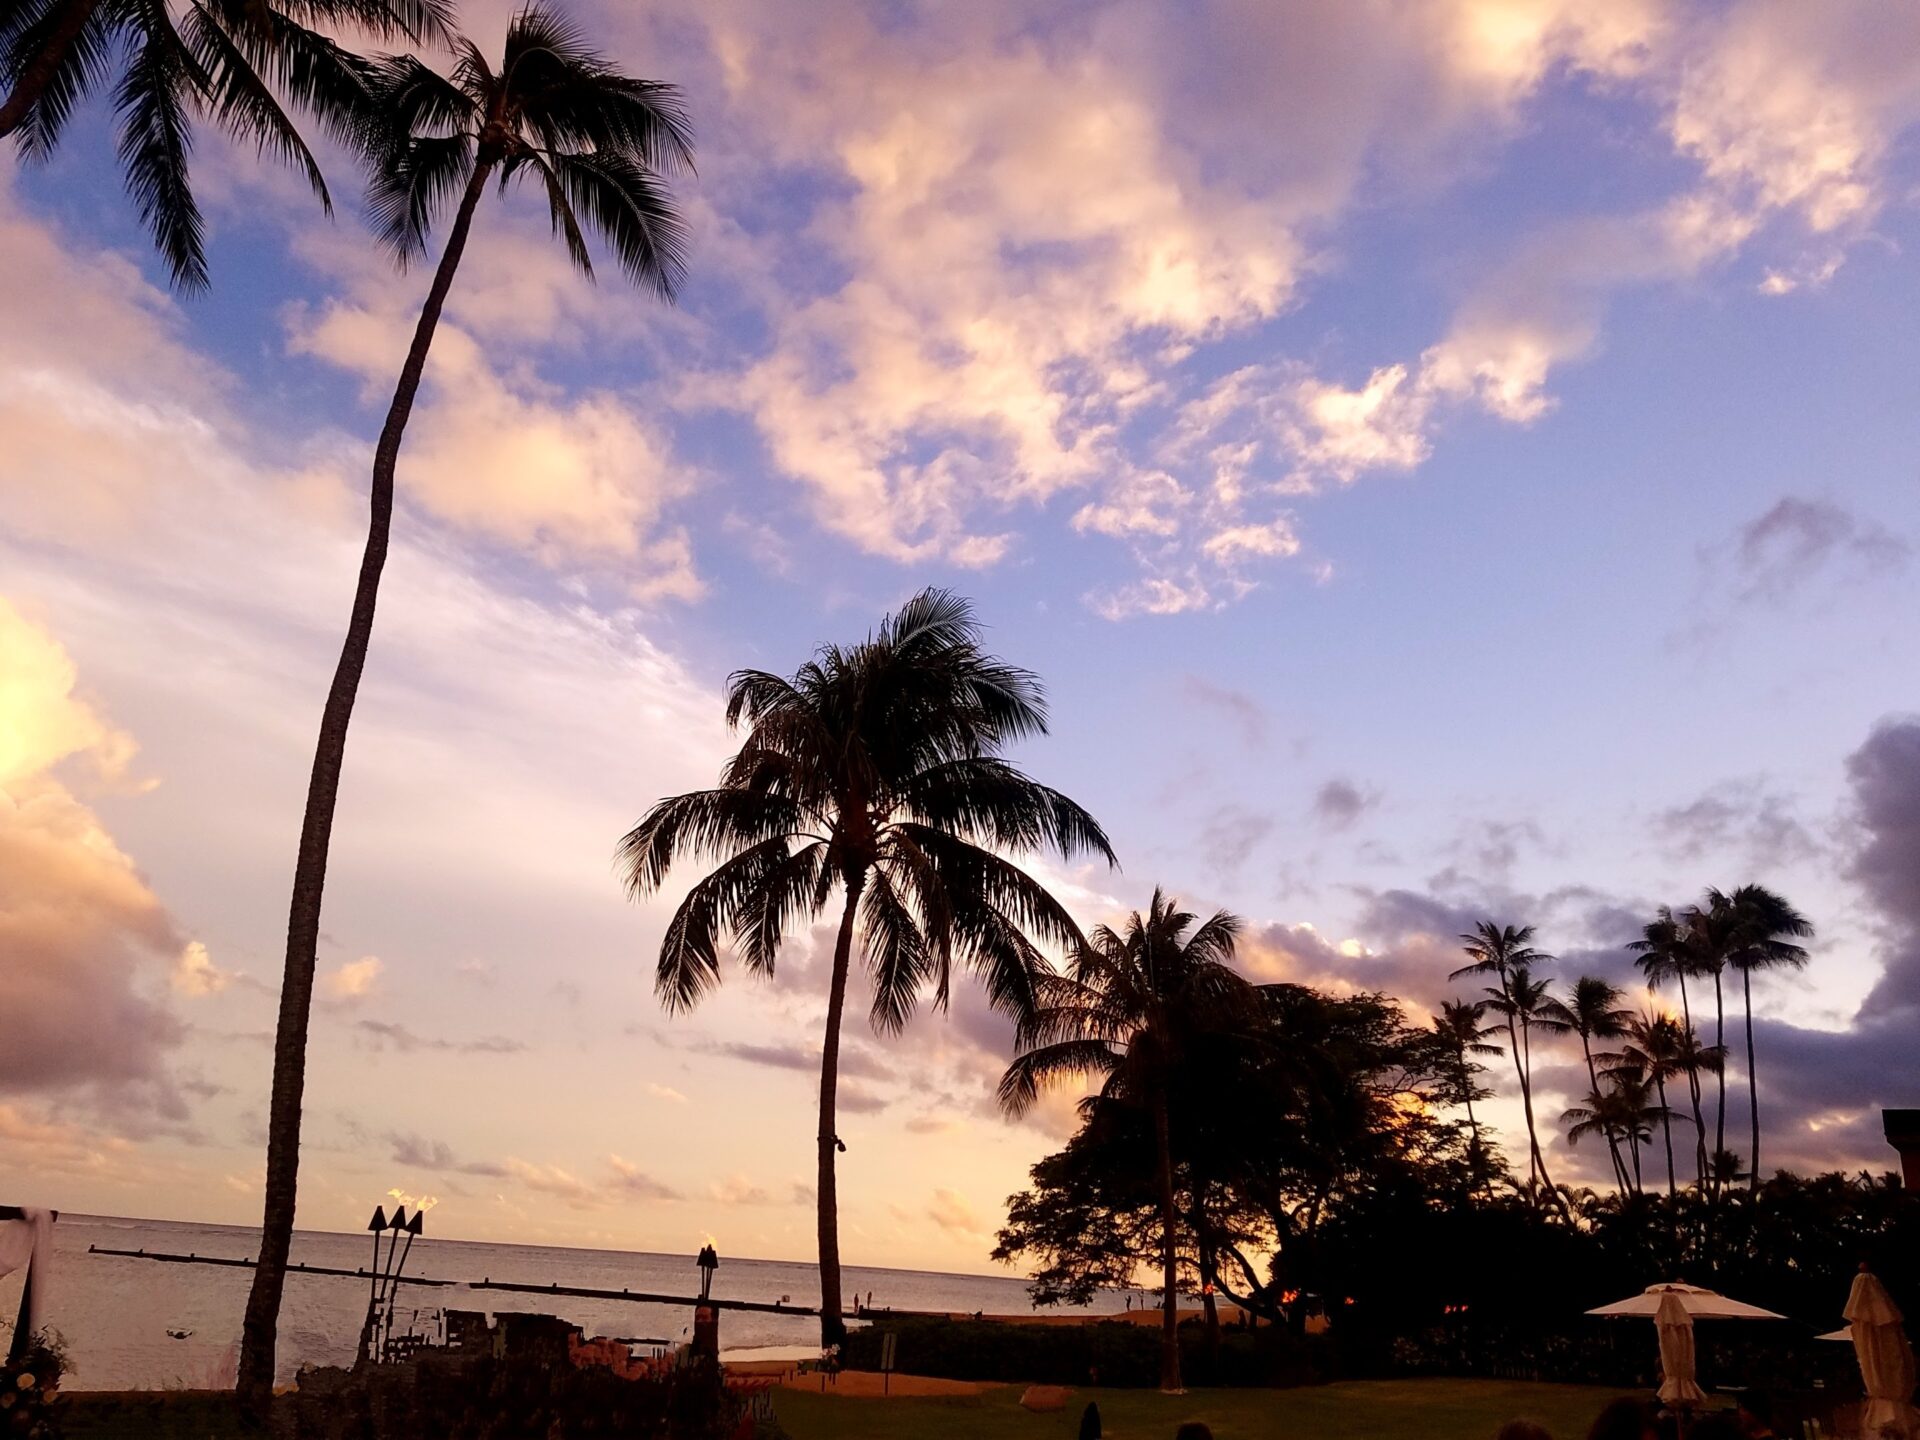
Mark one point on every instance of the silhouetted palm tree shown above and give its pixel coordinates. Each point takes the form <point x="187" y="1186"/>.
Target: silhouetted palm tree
<point x="876" y="771"/>
<point x="1462" y="1036"/>
<point x="218" y="60"/>
<point x="1133" y="1007"/>
<point x="1619" y="1112"/>
<point x="1532" y="1003"/>
<point x="1764" y="928"/>
<point x="1709" y="931"/>
<point x="597" y="142"/>
<point x="1653" y="1054"/>
<point x="1500" y="951"/>
<point x="1698" y="1059"/>
<point x="1670" y="949"/>
<point x="1593" y="1012"/>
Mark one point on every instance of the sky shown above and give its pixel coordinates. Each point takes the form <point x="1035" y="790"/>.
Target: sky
<point x="1451" y="459"/>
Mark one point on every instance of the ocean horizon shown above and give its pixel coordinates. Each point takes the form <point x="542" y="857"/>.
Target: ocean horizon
<point x="132" y="1323"/>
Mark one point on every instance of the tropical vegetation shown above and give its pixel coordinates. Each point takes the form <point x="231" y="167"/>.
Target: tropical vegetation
<point x="232" y="63"/>
<point x="875" y="773"/>
<point x="1136" y="1008"/>
<point x="878" y="776"/>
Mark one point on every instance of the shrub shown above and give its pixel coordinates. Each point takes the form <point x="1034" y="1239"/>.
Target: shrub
<point x="28" y="1387"/>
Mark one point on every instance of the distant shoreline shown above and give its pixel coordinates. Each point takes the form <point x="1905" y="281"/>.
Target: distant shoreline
<point x="84" y="1217"/>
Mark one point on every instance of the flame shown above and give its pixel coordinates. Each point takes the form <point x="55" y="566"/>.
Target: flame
<point x="418" y="1202"/>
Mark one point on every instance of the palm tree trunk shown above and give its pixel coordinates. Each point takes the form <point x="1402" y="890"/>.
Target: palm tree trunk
<point x="1753" y="1084"/>
<point x="1720" y="1102"/>
<point x="1533" y="1133"/>
<point x="1593" y="1082"/>
<point x="1478" y="1166"/>
<point x="833" y="1330"/>
<point x="1699" y="1120"/>
<point x="1169" y="1270"/>
<point x="1520" y="1072"/>
<point x="1207" y="1254"/>
<point x="1693" y="1092"/>
<point x="1666" y="1124"/>
<point x="38" y="72"/>
<point x="259" y="1330"/>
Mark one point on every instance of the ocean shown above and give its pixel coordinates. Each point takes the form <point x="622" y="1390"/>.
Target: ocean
<point x="115" y="1314"/>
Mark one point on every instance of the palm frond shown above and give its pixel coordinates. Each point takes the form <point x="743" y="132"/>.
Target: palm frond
<point x="156" y="143"/>
<point x="405" y="192"/>
<point x="322" y="77"/>
<point x="796" y="888"/>
<point x="25" y="33"/>
<point x="897" y="957"/>
<point x="428" y="22"/>
<point x="633" y="212"/>
<point x="1029" y="1073"/>
<point x="243" y="104"/>
<point x="689" y="962"/>
<point x="993" y="801"/>
<point x="559" y="208"/>
<point x="702" y="824"/>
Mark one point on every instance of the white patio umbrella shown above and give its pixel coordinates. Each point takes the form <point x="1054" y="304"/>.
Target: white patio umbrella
<point x="1699" y="1303"/>
<point x="1886" y="1360"/>
<point x="1677" y="1360"/>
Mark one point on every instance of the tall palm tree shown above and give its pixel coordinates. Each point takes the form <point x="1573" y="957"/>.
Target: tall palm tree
<point x="1499" y="951"/>
<point x="1135" y="1005"/>
<point x="1653" y="1056"/>
<point x="1531" y="1003"/>
<point x="1710" y="940"/>
<point x="224" y="61"/>
<point x="1669" y="948"/>
<point x="1696" y="1059"/>
<point x="1763" y="931"/>
<point x="1593" y="1012"/>
<point x="598" y="144"/>
<point x="1462" y="1037"/>
<point x="876" y="771"/>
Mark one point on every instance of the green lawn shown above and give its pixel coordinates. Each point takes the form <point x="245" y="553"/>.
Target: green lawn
<point x="1353" y="1410"/>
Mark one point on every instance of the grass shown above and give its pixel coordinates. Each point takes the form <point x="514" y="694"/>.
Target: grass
<point x="1351" y="1410"/>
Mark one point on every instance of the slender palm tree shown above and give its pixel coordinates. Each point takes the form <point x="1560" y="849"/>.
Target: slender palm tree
<point x="1135" y="1005"/>
<point x="1462" y="1037"/>
<point x="1639" y="1112"/>
<point x="180" y="61"/>
<point x="598" y="143"/>
<point x="876" y="771"/>
<point x="1531" y="1003"/>
<point x="1653" y="1055"/>
<point x="1698" y="1059"/>
<point x="1593" y="1012"/>
<point x="1500" y="950"/>
<point x="1764" y="929"/>
<point x="1710" y="931"/>
<point x="1669" y="948"/>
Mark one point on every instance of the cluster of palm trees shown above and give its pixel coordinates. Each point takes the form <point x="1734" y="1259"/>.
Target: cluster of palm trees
<point x="1644" y="1068"/>
<point x="598" y="145"/>
<point x="876" y="773"/>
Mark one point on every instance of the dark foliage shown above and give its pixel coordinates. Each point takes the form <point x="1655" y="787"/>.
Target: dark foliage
<point x="489" y="1399"/>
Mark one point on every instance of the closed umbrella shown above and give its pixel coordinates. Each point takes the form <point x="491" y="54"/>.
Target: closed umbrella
<point x="1677" y="1383"/>
<point x="1886" y="1360"/>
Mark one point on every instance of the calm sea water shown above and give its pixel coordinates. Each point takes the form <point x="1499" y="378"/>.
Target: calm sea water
<point x="115" y="1313"/>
